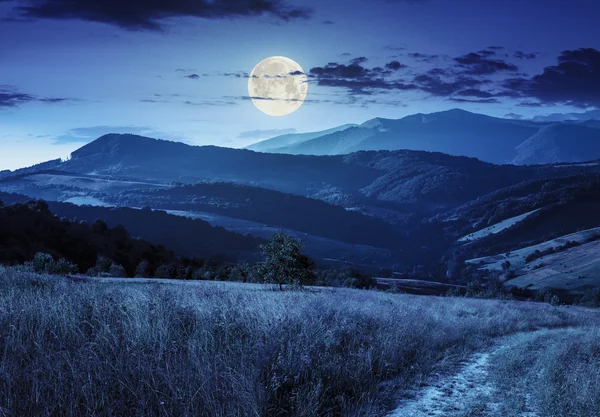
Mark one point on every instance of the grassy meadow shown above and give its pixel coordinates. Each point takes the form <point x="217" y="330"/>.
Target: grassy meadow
<point x="224" y="349"/>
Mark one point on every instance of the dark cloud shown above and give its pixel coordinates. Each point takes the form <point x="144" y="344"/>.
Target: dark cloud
<point x="524" y="55"/>
<point x="530" y="104"/>
<point x="149" y="14"/>
<point x="423" y="57"/>
<point x="437" y="86"/>
<point x="394" y="48"/>
<point x="394" y="65"/>
<point x="477" y="101"/>
<point x="359" y="60"/>
<point x="575" y="80"/>
<point x="477" y="64"/>
<point x="357" y="78"/>
<point x="495" y="47"/>
<point x="487" y="52"/>
<point x="11" y="97"/>
<point x="346" y="54"/>
<point x="478" y="77"/>
<point x="210" y="103"/>
<point x="237" y="74"/>
<point x="192" y="76"/>
<point x="328" y="22"/>
<point x="438" y="71"/>
<point x="474" y="92"/>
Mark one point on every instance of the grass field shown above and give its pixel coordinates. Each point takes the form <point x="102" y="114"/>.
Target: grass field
<point x="574" y="270"/>
<point x="495" y="228"/>
<point x="221" y="349"/>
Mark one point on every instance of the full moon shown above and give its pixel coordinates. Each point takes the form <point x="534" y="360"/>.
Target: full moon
<point x="278" y="86"/>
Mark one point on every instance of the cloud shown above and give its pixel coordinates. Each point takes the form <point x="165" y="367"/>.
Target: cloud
<point x="478" y="64"/>
<point x="477" y="77"/>
<point x="439" y="87"/>
<point x="328" y="22"/>
<point x="524" y="55"/>
<point x="358" y="61"/>
<point x="260" y="134"/>
<point x="574" y="81"/>
<point x="394" y="66"/>
<point x="192" y="76"/>
<point x="514" y="116"/>
<point x="88" y="134"/>
<point x="357" y="78"/>
<point x="150" y="14"/>
<point x="487" y="52"/>
<point x="423" y="57"/>
<point x="479" y="101"/>
<point x="11" y="97"/>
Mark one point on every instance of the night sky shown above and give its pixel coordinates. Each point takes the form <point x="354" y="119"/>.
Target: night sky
<point x="72" y="70"/>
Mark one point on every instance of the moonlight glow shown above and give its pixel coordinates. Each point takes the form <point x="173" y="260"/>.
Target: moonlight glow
<point x="278" y="86"/>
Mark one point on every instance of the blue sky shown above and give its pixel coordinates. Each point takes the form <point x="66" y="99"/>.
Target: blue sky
<point x="72" y="70"/>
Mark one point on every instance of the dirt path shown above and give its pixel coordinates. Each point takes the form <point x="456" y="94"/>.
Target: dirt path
<point x="467" y="393"/>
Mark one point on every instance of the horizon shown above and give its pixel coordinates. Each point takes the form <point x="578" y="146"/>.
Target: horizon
<point x="73" y="72"/>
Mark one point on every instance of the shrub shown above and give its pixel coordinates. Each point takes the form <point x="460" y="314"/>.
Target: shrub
<point x="359" y="280"/>
<point x="43" y="263"/>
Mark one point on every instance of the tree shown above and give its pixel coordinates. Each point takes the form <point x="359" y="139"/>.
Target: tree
<point x="284" y="263"/>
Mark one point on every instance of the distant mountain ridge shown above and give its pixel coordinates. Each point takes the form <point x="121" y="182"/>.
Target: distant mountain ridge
<point x="456" y="132"/>
<point x="291" y="139"/>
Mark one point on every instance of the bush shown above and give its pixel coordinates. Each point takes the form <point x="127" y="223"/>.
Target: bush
<point x="43" y="263"/>
<point x="106" y="268"/>
<point x="359" y="280"/>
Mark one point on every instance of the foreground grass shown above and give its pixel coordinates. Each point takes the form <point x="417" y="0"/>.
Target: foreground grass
<point x="555" y="372"/>
<point x="76" y="349"/>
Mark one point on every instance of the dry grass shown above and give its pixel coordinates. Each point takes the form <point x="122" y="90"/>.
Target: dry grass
<point x="556" y="372"/>
<point x="95" y="349"/>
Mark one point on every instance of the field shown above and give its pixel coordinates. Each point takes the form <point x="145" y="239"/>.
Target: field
<point x="517" y="257"/>
<point x="495" y="228"/>
<point x="572" y="271"/>
<point x="225" y="349"/>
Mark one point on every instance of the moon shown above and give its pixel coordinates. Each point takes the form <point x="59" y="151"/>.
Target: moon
<point x="278" y="86"/>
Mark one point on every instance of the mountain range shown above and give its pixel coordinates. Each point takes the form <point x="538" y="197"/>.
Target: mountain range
<point x="454" y="132"/>
<point x="393" y="208"/>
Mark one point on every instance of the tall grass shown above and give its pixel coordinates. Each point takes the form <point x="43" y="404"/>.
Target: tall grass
<point x="219" y="349"/>
<point x="558" y="370"/>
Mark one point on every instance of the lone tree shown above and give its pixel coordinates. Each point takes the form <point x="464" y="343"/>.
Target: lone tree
<point x="284" y="263"/>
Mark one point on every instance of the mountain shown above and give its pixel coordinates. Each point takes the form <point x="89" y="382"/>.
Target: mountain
<point x="462" y="133"/>
<point x="454" y="132"/>
<point x="293" y="139"/>
<point x="373" y="202"/>
<point x="561" y="117"/>
<point x="403" y="180"/>
<point x="560" y="143"/>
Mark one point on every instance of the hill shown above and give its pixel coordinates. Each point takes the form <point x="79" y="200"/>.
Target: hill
<point x="26" y="229"/>
<point x="186" y="237"/>
<point x="292" y="139"/>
